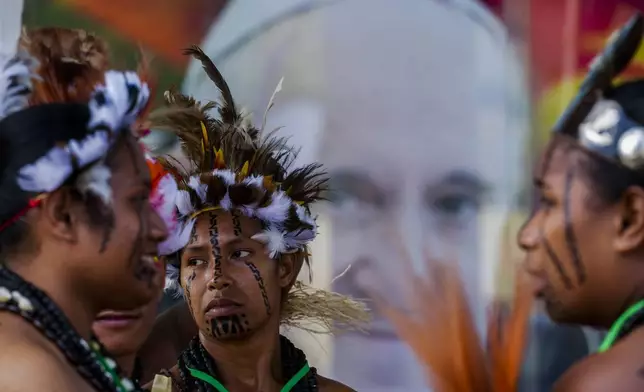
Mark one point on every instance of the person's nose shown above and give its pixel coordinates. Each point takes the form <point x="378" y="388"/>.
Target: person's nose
<point x="220" y="279"/>
<point x="528" y="236"/>
<point x="411" y="231"/>
<point x="158" y="229"/>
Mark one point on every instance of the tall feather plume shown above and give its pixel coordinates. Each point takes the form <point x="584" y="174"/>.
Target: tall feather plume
<point x="442" y="333"/>
<point x="239" y="144"/>
<point x="227" y="109"/>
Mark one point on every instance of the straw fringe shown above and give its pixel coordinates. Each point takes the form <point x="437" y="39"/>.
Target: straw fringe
<point x="323" y="312"/>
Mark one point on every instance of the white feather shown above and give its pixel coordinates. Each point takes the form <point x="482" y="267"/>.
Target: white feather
<point x="182" y="201"/>
<point x="90" y="149"/>
<point x="256" y="181"/>
<point x="273" y="239"/>
<point x="304" y="216"/>
<point x="178" y="238"/>
<point x="120" y="90"/>
<point x="102" y="114"/>
<point x="163" y="198"/>
<point x="96" y="180"/>
<point x="225" y="203"/>
<point x="227" y="176"/>
<point x="277" y="211"/>
<point x="47" y="173"/>
<point x="15" y="82"/>
<point x="200" y="189"/>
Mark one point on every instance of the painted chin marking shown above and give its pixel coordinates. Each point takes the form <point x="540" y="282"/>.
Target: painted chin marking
<point x="231" y="326"/>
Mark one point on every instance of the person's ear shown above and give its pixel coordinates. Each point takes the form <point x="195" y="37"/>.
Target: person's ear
<point x="289" y="268"/>
<point x="630" y="220"/>
<point x="61" y="216"/>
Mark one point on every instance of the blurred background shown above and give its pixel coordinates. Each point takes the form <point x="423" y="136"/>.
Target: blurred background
<point x="428" y="114"/>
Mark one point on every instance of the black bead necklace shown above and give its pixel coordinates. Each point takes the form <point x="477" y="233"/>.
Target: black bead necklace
<point x="90" y="359"/>
<point x="196" y="357"/>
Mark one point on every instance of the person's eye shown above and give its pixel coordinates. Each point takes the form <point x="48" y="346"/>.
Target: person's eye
<point x="458" y="208"/>
<point x="194" y="262"/>
<point x="240" y="254"/>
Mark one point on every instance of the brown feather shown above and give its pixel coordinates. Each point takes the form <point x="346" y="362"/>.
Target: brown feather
<point x="230" y="137"/>
<point x="72" y="63"/>
<point x="227" y="109"/>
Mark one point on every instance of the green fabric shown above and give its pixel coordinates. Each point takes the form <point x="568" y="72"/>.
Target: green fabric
<point x="218" y="386"/>
<point x="616" y="328"/>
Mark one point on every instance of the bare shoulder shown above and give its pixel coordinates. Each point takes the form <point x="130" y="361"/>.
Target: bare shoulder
<point x="619" y="369"/>
<point x="26" y="365"/>
<point x="328" y="385"/>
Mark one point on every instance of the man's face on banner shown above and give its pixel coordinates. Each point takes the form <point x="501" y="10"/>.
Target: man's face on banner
<point x="423" y="153"/>
<point x="418" y="138"/>
<point x="413" y="169"/>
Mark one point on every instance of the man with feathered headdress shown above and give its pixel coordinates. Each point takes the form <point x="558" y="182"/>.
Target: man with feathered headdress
<point x="246" y="226"/>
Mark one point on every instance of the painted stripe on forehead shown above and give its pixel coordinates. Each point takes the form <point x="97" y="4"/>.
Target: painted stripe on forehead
<point x="213" y="232"/>
<point x="237" y="229"/>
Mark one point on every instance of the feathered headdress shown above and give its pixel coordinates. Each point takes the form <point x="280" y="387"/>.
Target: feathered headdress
<point x="598" y="123"/>
<point x="69" y="65"/>
<point x="236" y="166"/>
<point x="162" y="197"/>
<point x="63" y="139"/>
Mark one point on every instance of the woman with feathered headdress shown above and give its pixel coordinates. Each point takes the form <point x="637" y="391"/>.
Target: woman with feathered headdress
<point x="70" y="62"/>
<point x="77" y="232"/>
<point x="246" y="226"/>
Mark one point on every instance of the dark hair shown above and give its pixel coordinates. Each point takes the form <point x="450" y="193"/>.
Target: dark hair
<point x="609" y="180"/>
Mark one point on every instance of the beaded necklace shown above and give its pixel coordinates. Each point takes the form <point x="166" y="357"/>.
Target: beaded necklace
<point x="89" y="358"/>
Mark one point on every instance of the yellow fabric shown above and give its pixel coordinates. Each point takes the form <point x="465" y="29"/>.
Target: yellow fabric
<point x="161" y="383"/>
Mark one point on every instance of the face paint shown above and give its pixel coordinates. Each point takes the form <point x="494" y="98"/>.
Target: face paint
<point x="571" y="239"/>
<point x="213" y="231"/>
<point x="186" y="292"/>
<point x="193" y="235"/>
<point x="236" y="224"/>
<point x="555" y="260"/>
<point x="226" y="326"/>
<point x="262" y="286"/>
